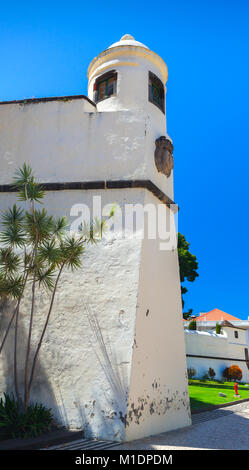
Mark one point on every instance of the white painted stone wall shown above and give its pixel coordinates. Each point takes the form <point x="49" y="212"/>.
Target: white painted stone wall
<point x="158" y="397"/>
<point x="120" y="280"/>
<point x="63" y="143"/>
<point x="222" y="346"/>
<point x="70" y="378"/>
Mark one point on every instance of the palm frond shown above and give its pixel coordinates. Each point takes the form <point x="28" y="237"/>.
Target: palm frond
<point x="31" y="191"/>
<point x="28" y="188"/>
<point x="13" y="216"/>
<point x="13" y="233"/>
<point x="72" y="251"/>
<point x="38" y="225"/>
<point x="11" y="287"/>
<point x="99" y="227"/>
<point x="60" y="226"/>
<point x="92" y="232"/>
<point x="46" y="278"/>
<point x="9" y="261"/>
<point x="49" y="253"/>
<point x="22" y="176"/>
<point x="13" y="236"/>
<point x="112" y="211"/>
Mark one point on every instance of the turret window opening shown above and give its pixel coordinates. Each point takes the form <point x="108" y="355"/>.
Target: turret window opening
<point x="105" y="86"/>
<point x="156" y="91"/>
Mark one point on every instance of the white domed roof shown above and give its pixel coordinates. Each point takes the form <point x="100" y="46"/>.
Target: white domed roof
<point x="127" y="40"/>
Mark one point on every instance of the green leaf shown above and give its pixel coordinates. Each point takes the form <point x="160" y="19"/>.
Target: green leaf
<point x="9" y="261"/>
<point x="15" y="423"/>
<point x="60" y="226"/>
<point x="38" y="225"/>
<point x="22" y="176"/>
<point x="187" y="263"/>
<point x="45" y="278"/>
<point x="32" y="191"/>
<point x="50" y="253"/>
<point x="12" y="216"/>
<point x="11" y="287"/>
<point x="13" y="233"/>
<point x="26" y="185"/>
<point x="72" y="250"/>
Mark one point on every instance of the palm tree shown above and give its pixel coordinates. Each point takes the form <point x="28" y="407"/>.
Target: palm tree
<point x="35" y="250"/>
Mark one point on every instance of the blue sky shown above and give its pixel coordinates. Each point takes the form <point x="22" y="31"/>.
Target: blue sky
<point x="45" y="49"/>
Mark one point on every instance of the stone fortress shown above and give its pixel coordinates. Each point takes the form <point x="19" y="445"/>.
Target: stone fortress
<point x="113" y="361"/>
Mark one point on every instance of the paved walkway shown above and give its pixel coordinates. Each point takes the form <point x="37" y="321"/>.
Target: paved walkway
<point x="84" y="444"/>
<point x="224" y="428"/>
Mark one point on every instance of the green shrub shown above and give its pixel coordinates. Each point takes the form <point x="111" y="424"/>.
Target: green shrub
<point x="218" y="328"/>
<point x="15" y="423"/>
<point x="192" y="325"/>
<point x="191" y="372"/>
<point x="232" y="373"/>
<point x="211" y="373"/>
<point x="205" y="376"/>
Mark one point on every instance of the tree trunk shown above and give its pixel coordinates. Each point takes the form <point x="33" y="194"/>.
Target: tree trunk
<point x="43" y="331"/>
<point x="8" y="329"/>
<point x="26" y="394"/>
<point x="16" y="333"/>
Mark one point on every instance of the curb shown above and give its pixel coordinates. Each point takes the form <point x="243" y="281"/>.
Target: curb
<point x="215" y="407"/>
<point x="46" y="440"/>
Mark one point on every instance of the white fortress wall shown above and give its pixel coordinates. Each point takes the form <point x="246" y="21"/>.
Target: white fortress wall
<point x="158" y="396"/>
<point x="70" y="378"/>
<point x="124" y="283"/>
<point x="208" y="349"/>
<point x="63" y="142"/>
<point x="130" y="284"/>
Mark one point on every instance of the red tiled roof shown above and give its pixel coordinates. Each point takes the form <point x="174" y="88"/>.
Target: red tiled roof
<point x="216" y="315"/>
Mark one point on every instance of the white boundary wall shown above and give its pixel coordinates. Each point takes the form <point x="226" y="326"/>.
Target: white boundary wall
<point x="225" y="349"/>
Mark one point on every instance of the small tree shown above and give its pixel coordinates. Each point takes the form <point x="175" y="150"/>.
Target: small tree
<point x="211" y="373"/>
<point x="192" y="325"/>
<point x="191" y="372"/>
<point x="232" y="373"/>
<point x="218" y="328"/>
<point x="188" y="267"/>
<point x="35" y="250"/>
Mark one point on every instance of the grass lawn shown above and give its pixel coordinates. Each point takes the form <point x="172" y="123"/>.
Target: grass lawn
<point x="206" y="393"/>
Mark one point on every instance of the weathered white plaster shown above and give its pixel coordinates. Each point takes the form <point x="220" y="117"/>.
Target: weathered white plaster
<point x="158" y="398"/>
<point x="63" y="143"/>
<point x="70" y="378"/>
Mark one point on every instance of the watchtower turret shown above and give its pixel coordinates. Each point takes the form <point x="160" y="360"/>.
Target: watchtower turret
<point x="129" y="76"/>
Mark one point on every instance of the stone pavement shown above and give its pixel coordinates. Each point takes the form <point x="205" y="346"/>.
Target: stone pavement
<point x="224" y="428"/>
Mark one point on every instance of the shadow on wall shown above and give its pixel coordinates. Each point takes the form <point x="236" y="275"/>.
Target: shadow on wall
<point x="102" y="423"/>
<point x="102" y="416"/>
<point x="41" y="391"/>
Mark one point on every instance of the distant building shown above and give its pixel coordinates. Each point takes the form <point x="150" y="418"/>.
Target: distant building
<point x="205" y="348"/>
<point x="208" y="320"/>
<point x="216" y="315"/>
